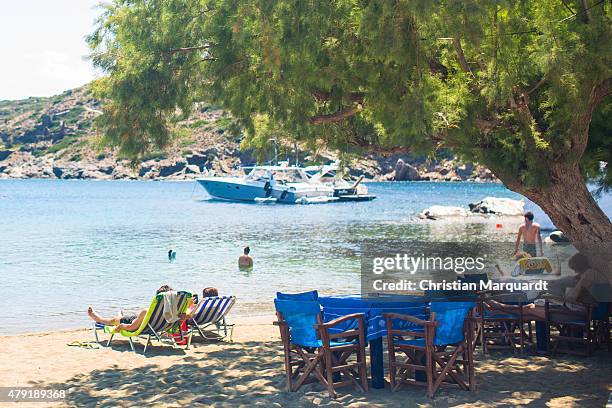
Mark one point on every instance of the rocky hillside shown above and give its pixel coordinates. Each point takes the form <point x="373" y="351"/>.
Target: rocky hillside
<point x="54" y="138"/>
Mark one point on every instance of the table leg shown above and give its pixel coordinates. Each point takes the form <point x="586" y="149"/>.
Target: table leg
<point x="541" y="340"/>
<point x="376" y="363"/>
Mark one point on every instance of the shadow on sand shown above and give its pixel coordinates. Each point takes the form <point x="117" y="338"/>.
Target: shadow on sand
<point x="251" y="374"/>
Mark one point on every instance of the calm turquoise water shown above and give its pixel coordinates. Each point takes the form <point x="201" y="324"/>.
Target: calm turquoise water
<point x="69" y="244"/>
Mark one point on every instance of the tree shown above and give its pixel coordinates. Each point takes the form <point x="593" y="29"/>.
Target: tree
<point x="510" y="84"/>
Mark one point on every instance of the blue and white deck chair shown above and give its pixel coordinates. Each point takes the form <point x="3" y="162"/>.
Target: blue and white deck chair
<point x="313" y="353"/>
<point x="211" y="311"/>
<point x="439" y="347"/>
<point x="154" y="326"/>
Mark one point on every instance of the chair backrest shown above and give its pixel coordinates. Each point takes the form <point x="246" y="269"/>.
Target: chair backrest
<point x="154" y="319"/>
<point x="331" y="313"/>
<point x="213" y="309"/>
<point x="451" y="318"/>
<point x="301" y="317"/>
<point x="377" y="325"/>
<point x="311" y="295"/>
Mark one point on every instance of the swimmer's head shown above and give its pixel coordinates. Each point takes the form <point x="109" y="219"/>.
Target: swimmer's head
<point x="528" y="216"/>
<point x="164" y="288"/>
<point x="210" y="292"/>
<point x="247" y="250"/>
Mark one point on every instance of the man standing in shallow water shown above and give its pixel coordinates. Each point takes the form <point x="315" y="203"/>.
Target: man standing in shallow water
<point x="245" y="261"/>
<point x="530" y="232"/>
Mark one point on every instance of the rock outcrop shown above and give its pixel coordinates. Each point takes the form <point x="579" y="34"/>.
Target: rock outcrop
<point x="441" y="211"/>
<point x="498" y="206"/>
<point x="405" y="172"/>
<point x="487" y="207"/>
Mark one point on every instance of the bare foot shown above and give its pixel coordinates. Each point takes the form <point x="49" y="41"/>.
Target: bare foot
<point x="99" y="319"/>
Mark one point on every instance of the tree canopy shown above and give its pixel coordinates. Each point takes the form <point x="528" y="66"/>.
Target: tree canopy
<point x="513" y="85"/>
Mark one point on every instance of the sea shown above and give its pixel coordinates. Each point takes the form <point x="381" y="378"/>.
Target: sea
<point x="69" y="244"/>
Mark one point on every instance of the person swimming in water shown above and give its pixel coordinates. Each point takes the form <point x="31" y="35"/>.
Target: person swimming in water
<point x="129" y="322"/>
<point x="171" y="255"/>
<point x="529" y="231"/>
<point x="245" y="261"/>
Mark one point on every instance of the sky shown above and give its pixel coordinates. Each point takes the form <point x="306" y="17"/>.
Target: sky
<point x="42" y="46"/>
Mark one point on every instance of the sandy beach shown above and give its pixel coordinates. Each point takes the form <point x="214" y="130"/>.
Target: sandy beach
<point x="249" y="372"/>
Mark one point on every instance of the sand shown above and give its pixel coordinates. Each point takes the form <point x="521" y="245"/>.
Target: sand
<point x="249" y="372"/>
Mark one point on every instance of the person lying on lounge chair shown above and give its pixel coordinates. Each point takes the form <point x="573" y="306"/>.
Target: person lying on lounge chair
<point x="129" y="322"/>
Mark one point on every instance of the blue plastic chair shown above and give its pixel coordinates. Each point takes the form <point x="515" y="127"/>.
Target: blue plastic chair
<point x="440" y="347"/>
<point x="311" y="349"/>
<point x="312" y="295"/>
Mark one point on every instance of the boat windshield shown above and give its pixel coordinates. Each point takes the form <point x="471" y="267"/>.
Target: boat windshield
<point x="280" y="175"/>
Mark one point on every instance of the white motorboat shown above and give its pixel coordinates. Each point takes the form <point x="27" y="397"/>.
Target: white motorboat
<point x="269" y="184"/>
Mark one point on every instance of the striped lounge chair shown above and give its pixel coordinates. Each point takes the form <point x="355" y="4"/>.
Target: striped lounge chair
<point x="154" y="326"/>
<point x="212" y="311"/>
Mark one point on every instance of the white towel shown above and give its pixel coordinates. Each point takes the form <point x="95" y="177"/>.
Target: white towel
<point x="170" y="303"/>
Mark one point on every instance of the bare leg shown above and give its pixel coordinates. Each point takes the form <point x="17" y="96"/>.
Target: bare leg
<point x="530" y="310"/>
<point x="113" y="321"/>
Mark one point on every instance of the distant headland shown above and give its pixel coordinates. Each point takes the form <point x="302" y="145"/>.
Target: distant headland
<point x="55" y="137"/>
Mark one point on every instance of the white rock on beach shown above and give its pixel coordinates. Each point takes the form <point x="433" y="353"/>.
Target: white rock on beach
<point x="498" y="206"/>
<point x="441" y="211"/>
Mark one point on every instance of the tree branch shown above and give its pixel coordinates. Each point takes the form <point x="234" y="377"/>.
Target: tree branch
<point x="461" y="56"/>
<point x="580" y="135"/>
<point x="536" y="86"/>
<point x="322" y="96"/>
<point x="334" y="117"/>
<point x="188" y="49"/>
<point x="586" y="9"/>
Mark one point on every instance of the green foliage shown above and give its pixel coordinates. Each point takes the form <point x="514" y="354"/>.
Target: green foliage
<point x="63" y="144"/>
<point x="598" y="158"/>
<point x="505" y="83"/>
<point x="72" y="116"/>
<point x="198" y="123"/>
<point x="224" y="122"/>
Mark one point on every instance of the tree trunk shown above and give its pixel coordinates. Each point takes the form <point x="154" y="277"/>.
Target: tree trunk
<point x="572" y="209"/>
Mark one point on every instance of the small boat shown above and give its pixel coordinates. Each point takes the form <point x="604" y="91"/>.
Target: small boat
<point x="344" y="190"/>
<point x="268" y="184"/>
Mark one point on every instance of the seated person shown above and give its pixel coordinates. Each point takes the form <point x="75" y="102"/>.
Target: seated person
<point x="571" y="307"/>
<point x="130" y="322"/>
<point x="206" y="293"/>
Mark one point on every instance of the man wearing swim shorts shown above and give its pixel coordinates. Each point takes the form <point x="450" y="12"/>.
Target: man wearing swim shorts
<point x="530" y="233"/>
